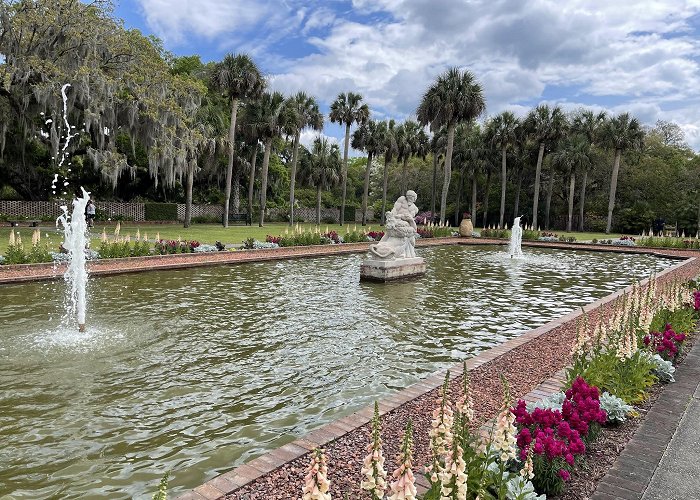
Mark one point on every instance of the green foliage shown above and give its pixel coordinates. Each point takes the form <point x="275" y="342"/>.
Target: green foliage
<point x="615" y="407"/>
<point x="530" y="234"/>
<point x="162" y="493"/>
<point x="665" y="242"/>
<point x="39" y="253"/>
<point x="15" y="255"/>
<point x="683" y="320"/>
<point x="206" y="219"/>
<point x="495" y="233"/>
<point x="121" y="249"/>
<point x="160" y="211"/>
<point x="626" y="378"/>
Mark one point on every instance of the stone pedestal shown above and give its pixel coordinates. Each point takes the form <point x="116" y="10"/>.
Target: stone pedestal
<point x="466" y="228"/>
<point x="390" y="270"/>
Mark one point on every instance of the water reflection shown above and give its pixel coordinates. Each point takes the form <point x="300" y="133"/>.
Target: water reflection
<point x="197" y="370"/>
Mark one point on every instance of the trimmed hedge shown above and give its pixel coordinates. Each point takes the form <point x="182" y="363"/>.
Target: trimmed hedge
<point x="160" y="211"/>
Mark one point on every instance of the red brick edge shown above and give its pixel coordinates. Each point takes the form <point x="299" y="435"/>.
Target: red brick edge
<point x="244" y="474"/>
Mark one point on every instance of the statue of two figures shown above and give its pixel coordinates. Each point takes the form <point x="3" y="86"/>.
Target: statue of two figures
<point x="400" y="231"/>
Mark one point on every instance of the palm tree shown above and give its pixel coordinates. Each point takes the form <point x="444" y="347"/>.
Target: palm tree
<point x="239" y="78"/>
<point x="251" y="136"/>
<point x="371" y="138"/>
<point x="455" y="97"/>
<point x="267" y="118"/>
<point x="438" y="142"/>
<point x="588" y="124"/>
<point x="620" y="133"/>
<point x="544" y="125"/>
<point x="323" y="169"/>
<point x="302" y="112"/>
<point x="469" y="150"/>
<point x="501" y="133"/>
<point x="520" y="159"/>
<point x="347" y="109"/>
<point x="390" y="150"/>
<point x="574" y="155"/>
<point x="407" y="145"/>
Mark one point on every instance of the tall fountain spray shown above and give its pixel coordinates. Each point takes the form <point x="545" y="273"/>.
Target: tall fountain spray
<point x="75" y="240"/>
<point x="74" y="231"/>
<point x="516" y="237"/>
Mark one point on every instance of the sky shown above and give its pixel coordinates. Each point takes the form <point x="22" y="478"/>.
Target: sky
<point x="637" y="56"/>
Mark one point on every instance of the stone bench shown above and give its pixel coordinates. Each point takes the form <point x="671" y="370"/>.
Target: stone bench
<point x="17" y="222"/>
<point x="242" y="217"/>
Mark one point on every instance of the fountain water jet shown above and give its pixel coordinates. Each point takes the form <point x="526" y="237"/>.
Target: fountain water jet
<point x="74" y="235"/>
<point x="74" y="231"/>
<point x="516" y="238"/>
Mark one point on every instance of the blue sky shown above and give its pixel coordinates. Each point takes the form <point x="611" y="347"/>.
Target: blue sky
<point x="642" y="57"/>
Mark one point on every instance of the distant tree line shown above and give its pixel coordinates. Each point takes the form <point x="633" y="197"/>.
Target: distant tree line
<point x="152" y="126"/>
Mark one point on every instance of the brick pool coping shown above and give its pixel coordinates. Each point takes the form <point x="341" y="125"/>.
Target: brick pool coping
<point x="269" y="462"/>
<point x="22" y="273"/>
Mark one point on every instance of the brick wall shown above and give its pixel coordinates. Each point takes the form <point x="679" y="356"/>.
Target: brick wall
<point x="308" y="214"/>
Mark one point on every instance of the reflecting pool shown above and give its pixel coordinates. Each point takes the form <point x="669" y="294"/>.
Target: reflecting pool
<point x="195" y="371"/>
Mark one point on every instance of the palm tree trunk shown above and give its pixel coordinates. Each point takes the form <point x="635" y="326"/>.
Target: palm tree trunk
<point x="474" y="195"/>
<point x="582" y="201"/>
<point x="231" y="153"/>
<point x="486" y="197"/>
<point x="503" y="187"/>
<point x="613" y="188"/>
<point x="460" y="186"/>
<point x="387" y="162"/>
<point x="293" y="177"/>
<point x="550" y="190"/>
<point x="365" y="194"/>
<point x="536" y="196"/>
<point x="344" y="174"/>
<point x="318" y="204"/>
<point x="188" y="196"/>
<point x="448" y="170"/>
<point x="236" y="187"/>
<point x="572" y="184"/>
<point x="433" y="189"/>
<point x="251" y="181"/>
<point x="516" y="208"/>
<point x="3" y="136"/>
<point x="263" y="177"/>
<point x="404" y="176"/>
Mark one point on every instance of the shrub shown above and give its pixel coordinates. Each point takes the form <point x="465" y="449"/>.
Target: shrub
<point x="627" y="378"/>
<point x="616" y="409"/>
<point x="666" y="344"/>
<point x="206" y="219"/>
<point x="495" y="233"/>
<point x="15" y="254"/>
<point x="663" y="369"/>
<point x="530" y="234"/>
<point x="160" y="211"/>
<point x="556" y="437"/>
<point x="168" y="247"/>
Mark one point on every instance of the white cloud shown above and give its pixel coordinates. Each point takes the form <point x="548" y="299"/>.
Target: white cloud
<point x="173" y="20"/>
<point x="624" y="55"/>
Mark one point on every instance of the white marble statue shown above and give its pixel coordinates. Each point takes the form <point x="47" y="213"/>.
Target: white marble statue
<point x="400" y="232"/>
